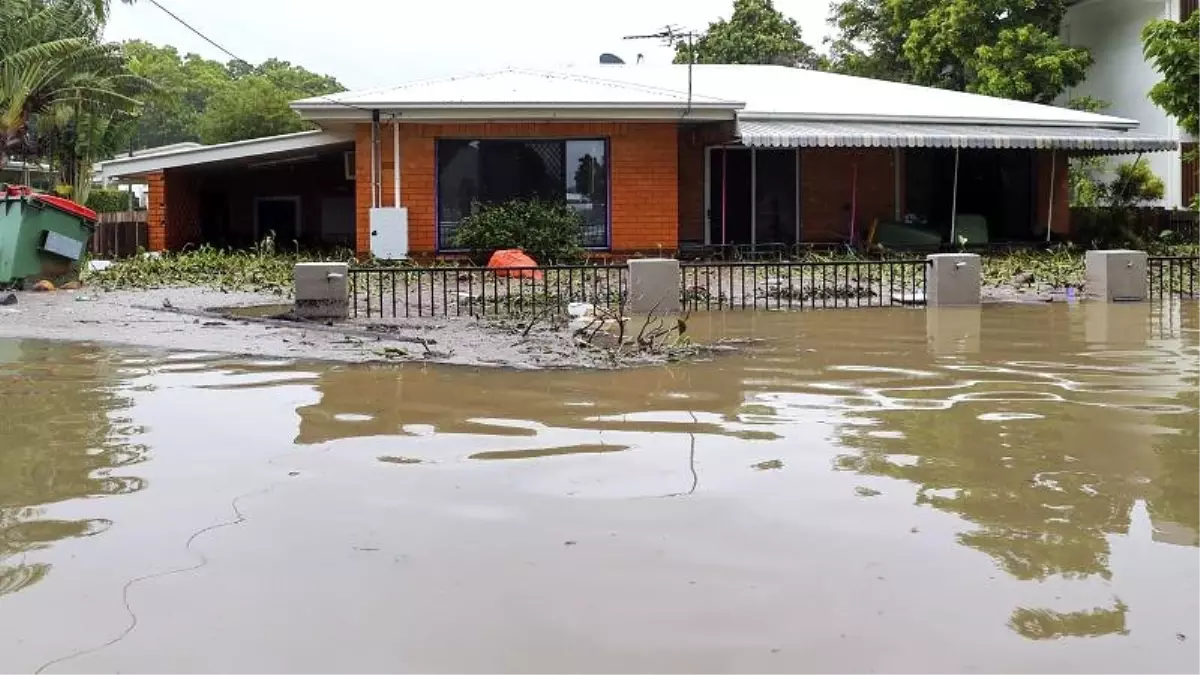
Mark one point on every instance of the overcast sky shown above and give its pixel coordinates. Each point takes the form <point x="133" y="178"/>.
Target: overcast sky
<point x="374" y="43"/>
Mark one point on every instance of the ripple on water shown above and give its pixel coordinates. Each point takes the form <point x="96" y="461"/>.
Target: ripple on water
<point x="1008" y="416"/>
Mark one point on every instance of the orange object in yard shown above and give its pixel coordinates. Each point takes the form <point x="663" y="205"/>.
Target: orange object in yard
<point x="512" y="262"/>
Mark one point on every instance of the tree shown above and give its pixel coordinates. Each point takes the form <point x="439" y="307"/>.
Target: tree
<point x="251" y="107"/>
<point x="591" y="178"/>
<point x="183" y="87"/>
<point x="297" y="81"/>
<point x="755" y="33"/>
<point x="1007" y="48"/>
<point x="51" y="56"/>
<point x="1174" y="49"/>
<point x="188" y="84"/>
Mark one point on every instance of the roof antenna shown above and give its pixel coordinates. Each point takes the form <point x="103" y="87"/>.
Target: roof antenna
<point x="673" y="36"/>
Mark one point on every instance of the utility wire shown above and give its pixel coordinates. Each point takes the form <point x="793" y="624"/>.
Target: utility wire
<point x="202" y="36"/>
<point x="235" y="57"/>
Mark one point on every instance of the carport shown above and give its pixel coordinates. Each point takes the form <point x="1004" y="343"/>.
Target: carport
<point x="297" y="189"/>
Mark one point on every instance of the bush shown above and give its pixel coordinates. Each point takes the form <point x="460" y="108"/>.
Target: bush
<point x="108" y="201"/>
<point x="550" y="232"/>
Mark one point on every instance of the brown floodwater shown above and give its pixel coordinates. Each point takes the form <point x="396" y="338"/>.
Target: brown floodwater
<point x="1006" y="489"/>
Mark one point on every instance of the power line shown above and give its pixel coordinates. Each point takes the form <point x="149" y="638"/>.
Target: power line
<point x="235" y="57"/>
<point x="202" y="36"/>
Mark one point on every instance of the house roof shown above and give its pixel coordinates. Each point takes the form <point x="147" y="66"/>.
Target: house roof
<point x="192" y="154"/>
<point x="718" y="92"/>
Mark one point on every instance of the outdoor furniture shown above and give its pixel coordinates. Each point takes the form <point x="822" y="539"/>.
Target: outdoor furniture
<point x="891" y="234"/>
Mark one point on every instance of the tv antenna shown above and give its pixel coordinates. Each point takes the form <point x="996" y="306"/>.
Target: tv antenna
<point x="673" y="35"/>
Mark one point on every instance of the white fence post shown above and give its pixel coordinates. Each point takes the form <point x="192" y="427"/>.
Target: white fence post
<point x="953" y="280"/>
<point x="654" y="286"/>
<point x="1117" y="276"/>
<point x="321" y="290"/>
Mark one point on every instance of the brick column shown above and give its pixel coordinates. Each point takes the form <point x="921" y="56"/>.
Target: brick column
<point x="156" y="212"/>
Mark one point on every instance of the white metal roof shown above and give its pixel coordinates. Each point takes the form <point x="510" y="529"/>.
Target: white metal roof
<point x="741" y="91"/>
<point x="195" y="154"/>
<point x="801" y="134"/>
<point x="516" y="89"/>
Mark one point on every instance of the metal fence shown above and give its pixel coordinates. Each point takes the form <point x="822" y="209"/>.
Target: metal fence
<point x="479" y="291"/>
<point x="1173" y="275"/>
<point x="804" y="284"/>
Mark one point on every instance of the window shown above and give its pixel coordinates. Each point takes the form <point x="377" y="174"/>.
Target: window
<point x="472" y="172"/>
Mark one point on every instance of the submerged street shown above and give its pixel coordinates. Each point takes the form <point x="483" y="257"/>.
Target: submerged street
<point x="1008" y="489"/>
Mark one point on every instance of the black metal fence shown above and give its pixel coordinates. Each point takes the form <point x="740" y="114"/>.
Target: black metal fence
<point x="406" y="292"/>
<point x="804" y="284"/>
<point x="1173" y="275"/>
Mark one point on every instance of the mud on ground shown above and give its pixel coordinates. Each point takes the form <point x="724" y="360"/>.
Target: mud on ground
<point x="198" y="319"/>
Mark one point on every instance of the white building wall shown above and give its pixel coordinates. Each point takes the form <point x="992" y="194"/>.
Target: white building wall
<point x="1112" y="30"/>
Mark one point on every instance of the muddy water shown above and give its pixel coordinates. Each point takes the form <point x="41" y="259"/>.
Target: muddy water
<point x="1012" y="489"/>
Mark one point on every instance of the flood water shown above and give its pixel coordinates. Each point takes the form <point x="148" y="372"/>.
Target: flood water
<point x="1011" y="489"/>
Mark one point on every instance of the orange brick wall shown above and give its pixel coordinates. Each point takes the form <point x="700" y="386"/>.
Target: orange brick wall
<point x="156" y="212"/>
<point x="643" y="165"/>
<point x="827" y="190"/>
<point x="693" y="139"/>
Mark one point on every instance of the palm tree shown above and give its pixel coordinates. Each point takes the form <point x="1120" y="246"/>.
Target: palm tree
<point x="51" y="56"/>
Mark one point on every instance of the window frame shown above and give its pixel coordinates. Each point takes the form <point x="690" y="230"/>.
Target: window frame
<point x="437" y="180"/>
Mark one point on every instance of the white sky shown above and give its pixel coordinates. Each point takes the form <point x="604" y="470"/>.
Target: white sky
<point x="375" y="43"/>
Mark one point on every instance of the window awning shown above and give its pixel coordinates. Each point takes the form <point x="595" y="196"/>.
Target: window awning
<point x="796" y="134"/>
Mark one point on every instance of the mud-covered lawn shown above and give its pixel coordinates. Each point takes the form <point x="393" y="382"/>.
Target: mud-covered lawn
<point x="199" y="319"/>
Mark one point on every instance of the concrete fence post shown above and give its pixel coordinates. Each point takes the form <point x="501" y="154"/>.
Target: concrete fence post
<point x="654" y="286"/>
<point x="953" y="280"/>
<point x="1117" y="276"/>
<point x="321" y="290"/>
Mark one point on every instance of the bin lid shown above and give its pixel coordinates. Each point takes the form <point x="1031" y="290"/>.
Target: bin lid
<point x="67" y="206"/>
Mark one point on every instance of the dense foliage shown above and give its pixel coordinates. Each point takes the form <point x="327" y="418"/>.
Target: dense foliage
<point x="63" y="90"/>
<point x="550" y="232"/>
<point x="1174" y="49"/>
<point x="1006" y="48"/>
<point x="108" y="201"/>
<point x="755" y="33"/>
<point x="70" y="99"/>
<point x="197" y="99"/>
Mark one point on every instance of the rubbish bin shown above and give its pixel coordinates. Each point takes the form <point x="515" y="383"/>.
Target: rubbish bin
<point x="41" y="236"/>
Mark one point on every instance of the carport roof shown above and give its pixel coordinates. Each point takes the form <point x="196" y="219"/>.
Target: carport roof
<point x="223" y="152"/>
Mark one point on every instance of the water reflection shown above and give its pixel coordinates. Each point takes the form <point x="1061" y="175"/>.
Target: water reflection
<point x="65" y="437"/>
<point x="1031" y="471"/>
<point x="1046" y="460"/>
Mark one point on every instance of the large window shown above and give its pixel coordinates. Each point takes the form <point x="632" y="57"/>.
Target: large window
<point x="470" y="173"/>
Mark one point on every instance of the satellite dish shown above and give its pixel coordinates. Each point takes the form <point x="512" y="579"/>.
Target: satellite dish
<point x="611" y="59"/>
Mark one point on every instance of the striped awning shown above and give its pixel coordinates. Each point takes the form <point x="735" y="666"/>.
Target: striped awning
<point x="794" y="134"/>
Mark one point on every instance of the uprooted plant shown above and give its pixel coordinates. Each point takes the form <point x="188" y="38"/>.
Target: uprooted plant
<point x="658" y="335"/>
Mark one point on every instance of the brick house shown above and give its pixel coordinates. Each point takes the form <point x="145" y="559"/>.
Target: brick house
<point x="655" y="158"/>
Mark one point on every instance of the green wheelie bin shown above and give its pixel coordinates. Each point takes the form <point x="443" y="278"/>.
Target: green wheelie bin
<point x="41" y="236"/>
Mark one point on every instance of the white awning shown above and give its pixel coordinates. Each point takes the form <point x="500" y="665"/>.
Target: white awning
<point x="797" y="134"/>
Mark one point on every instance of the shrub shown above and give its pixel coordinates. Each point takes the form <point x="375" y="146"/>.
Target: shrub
<point x="108" y="201"/>
<point x="550" y="232"/>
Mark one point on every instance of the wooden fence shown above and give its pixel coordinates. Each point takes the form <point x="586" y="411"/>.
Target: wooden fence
<point x="119" y="235"/>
